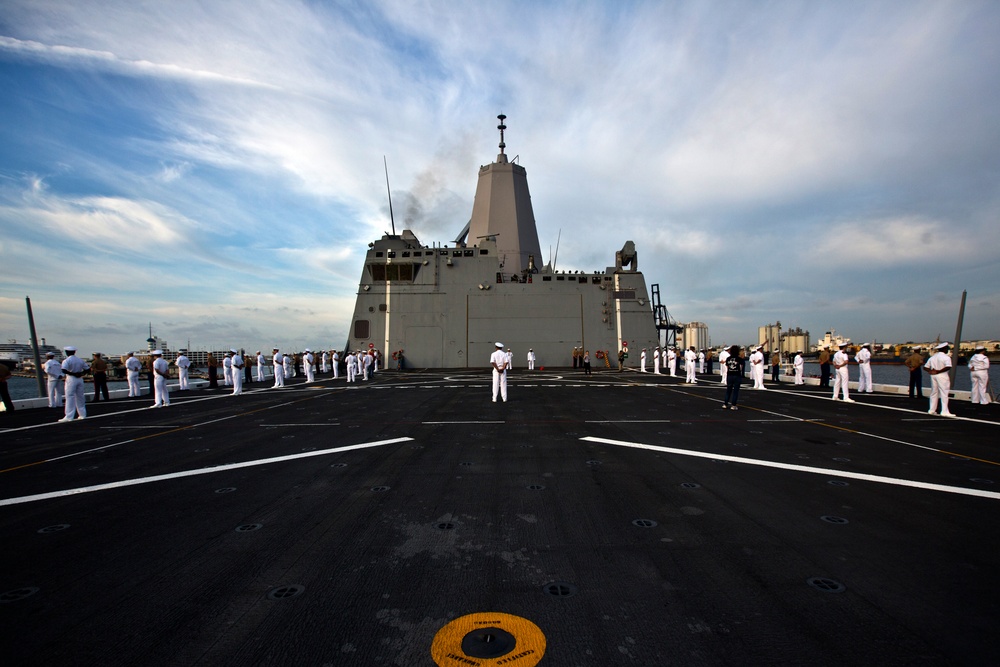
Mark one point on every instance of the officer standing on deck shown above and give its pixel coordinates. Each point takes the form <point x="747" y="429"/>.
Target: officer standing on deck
<point x="74" y="368"/>
<point x="183" y="364"/>
<point x="307" y="361"/>
<point x="824" y="368"/>
<point x="132" y="369"/>
<point x="757" y="367"/>
<point x="100" y="369"/>
<point x="498" y="360"/>
<point x="53" y="370"/>
<point x="799" y="363"/>
<point x="690" y="356"/>
<point x="237" y="362"/>
<point x="864" y="359"/>
<point x="915" y="362"/>
<point x="161" y="371"/>
<point x="279" y="371"/>
<point x="979" y="370"/>
<point x="531" y="359"/>
<point x="939" y="367"/>
<point x="840" y="377"/>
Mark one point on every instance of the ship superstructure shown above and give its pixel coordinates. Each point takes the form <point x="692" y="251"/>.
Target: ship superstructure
<point x="446" y="306"/>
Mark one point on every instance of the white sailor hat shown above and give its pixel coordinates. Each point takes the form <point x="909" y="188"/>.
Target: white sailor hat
<point x="69" y="348"/>
<point x="157" y="353"/>
<point x="498" y="344"/>
<point x="844" y="344"/>
<point x="308" y="350"/>
<point x="942" y="346"/>
<point x="52" y="354"/>
<point x="866" y="345"/>
<point x="232" y="350"/>
<point x="978" y="347"/>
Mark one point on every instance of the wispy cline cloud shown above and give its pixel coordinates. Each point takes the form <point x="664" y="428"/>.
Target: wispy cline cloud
<point x="71" y="56"/>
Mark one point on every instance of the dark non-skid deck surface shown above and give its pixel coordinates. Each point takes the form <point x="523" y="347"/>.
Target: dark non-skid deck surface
<point x="542" y="508"/>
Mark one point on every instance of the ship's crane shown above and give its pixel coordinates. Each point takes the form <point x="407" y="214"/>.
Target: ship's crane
<point x="662" y="318"/>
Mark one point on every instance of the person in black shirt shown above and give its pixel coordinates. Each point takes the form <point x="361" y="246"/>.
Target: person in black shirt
<point x="735" y="368"/>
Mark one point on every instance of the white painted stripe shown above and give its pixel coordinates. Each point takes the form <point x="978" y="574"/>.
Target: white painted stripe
<point x="326" y="424"/>
<point x="798" y="468"/>
<point x="628" y="421"/>
<point x="466" y="422"/>
<point x="191" y="473"/>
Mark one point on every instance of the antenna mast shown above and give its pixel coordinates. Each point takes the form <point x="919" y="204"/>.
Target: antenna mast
<point x="388" y="192"/>
<point x="502" y="127"/>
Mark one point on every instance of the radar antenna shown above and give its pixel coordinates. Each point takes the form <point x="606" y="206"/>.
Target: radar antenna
<point x="502" y="127"/>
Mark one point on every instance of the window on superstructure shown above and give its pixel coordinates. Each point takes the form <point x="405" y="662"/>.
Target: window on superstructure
<point x="484" y="251"/>
<point x="406" y="253"/>
<point x="456" y="253"/>
<point x="468" y="253"/>
<point x="383" y="272"/>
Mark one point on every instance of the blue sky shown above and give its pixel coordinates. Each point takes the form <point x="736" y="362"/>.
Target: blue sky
<point x="216" y="168"/>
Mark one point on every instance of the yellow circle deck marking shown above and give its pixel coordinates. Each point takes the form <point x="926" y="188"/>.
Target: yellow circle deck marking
<point x="446" y="649"/>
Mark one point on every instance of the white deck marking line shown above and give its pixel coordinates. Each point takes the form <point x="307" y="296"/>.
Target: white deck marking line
<point x="326" y="424"/>
<point x="129" y="428"/>
<point x="799" y="468"/>
<point x="87" y="451"/>
<point x="628" y="421"/>
<point x="467" y="422"/>
<point x="191" y="473"/>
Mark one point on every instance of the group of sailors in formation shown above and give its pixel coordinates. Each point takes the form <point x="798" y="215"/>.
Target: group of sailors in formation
<point x="65" y="379"/>
<point x="938" y="366"/>
<point x="65" y="383"/>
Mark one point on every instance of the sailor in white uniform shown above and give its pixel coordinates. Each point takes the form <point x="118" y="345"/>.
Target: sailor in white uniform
<point x="278" y="363"/>
<point x="510" y="358"/>
<point x="260" y="366"/>
<point x="979" y="371"/>
<point x="366" y="362"/>
<point x="642" y="360"/>
<point x="161" y="370"/>
<point x="840" y="377"/>
<point x="701" y="361"/>
<point x="335" y="362"/>
<point x="286" y="366"/>
<point x="324" y="361"/>
<point x="227" y="370"/>
<point x="723" y="369"/>
<point x="307" y="361"/>
<point x="864" y="359"/>
<point x="53" y="371"/>
<point x="237" y="372"/>
<point x="183" y="364"/>
<point x="757" y="367"/>
<point x="132" y="369"/>
<point x="531" y="359"/>
<point x="656" y="360"/>
<point x="939" y="368"/>
<point x="800" y="364"/>
<point x="672" y="361"/>
<point x="690" y="356"/>
<point x="74" y="368"/>
<point x="351" y="368"/>
<point x="498" y="360"/>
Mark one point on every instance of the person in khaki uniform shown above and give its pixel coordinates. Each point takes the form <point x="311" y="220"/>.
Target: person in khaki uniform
<point x="915" y="362"/>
